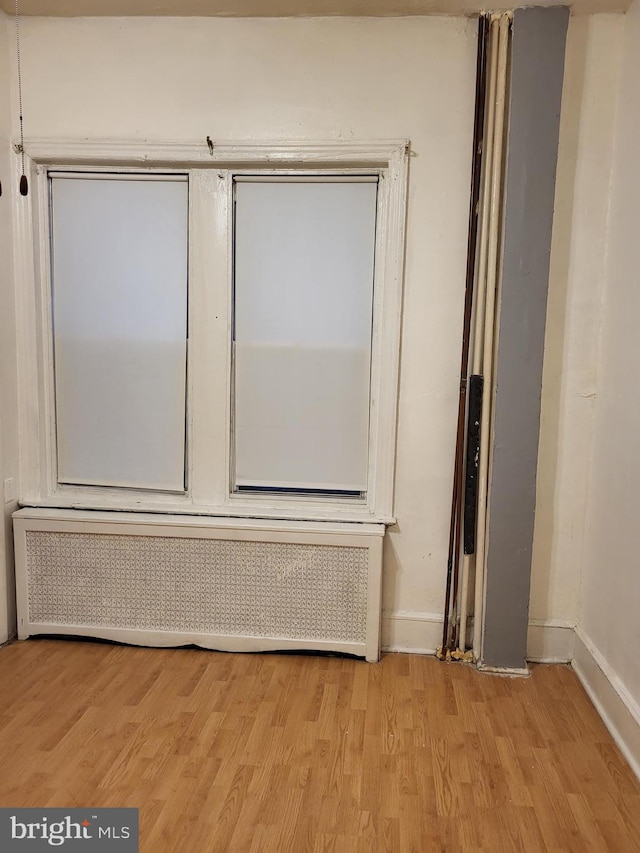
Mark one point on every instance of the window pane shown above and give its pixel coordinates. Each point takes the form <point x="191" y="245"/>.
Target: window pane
<point x="304" y="255"/>
<point x="119" y="270"/>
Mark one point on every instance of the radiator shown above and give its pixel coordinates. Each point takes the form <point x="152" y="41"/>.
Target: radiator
<point x="228" y="584"/>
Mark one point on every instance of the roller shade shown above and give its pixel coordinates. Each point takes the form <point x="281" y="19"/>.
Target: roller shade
<point x="119" y="282"/>
<point x="303" y="295"/>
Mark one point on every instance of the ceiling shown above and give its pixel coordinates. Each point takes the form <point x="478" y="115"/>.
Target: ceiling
<point x="284" y="8"/>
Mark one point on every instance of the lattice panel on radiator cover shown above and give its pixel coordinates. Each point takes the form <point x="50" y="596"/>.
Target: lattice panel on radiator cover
<point x="217" y="586"/>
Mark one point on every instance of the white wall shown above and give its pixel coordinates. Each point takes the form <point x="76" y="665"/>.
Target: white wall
<point x="574" y="318"/>
<point x="610" y="618"/>
<point x="379" y="78"/>
<point x="8" y="388"/>
<point x="182" y="79"/>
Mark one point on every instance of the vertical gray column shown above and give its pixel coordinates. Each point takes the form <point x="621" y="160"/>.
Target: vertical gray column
<point x="537" y="68"/>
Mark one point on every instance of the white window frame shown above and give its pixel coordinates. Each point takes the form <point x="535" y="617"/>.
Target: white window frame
<point x="208" y="459"/>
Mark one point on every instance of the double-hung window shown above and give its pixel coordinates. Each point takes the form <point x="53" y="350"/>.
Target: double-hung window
<point x="219" y="338"/>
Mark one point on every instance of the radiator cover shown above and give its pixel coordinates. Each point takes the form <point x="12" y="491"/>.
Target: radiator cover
<point x="173" y="580"/>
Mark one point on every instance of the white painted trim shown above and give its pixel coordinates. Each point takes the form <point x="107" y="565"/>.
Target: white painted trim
<point x="374" y="599"/>
<point x="166" y="504"/>
<point x="137" y="153"/>
<point x="553" y="623"/>
<point x="550" y="641"/>
<point x="44" y="333"/>
<point x="27" y="353"/>
<point x="208" y="418"/>
<point x="620" y="712"/>
<point x="209" y="335"/>
<point x="38" y="518"/>
<point x="411" y="631"/>
<point x="387" y="311"/>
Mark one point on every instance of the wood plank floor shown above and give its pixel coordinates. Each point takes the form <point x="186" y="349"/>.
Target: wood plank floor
<point x="282" y="753"/>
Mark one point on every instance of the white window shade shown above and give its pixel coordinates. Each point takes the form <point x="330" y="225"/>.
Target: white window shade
<point x="304" y="265"/>
<point x="119" y="279"/>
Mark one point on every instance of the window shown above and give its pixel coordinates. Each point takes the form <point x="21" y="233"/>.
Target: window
<point x="119" y="311"/>
<point x="303" y="300"/>
<point x="213" y="334"/>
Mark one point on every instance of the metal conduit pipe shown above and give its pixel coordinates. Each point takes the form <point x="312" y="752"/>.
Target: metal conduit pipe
<point x="453" y="563"/>
<point x="495" y="223"/>
<point x="481" y="271"/>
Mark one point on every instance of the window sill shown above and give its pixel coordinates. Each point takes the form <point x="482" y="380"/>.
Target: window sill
<point x="226" y="514"/>
<point x="160" y="519"/>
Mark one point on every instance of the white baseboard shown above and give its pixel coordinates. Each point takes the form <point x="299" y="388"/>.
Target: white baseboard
<point x="550" y="641"/>
<point x="619" y="710"/>
<point x="410" y="631"/>
<point x="421" y="633"/>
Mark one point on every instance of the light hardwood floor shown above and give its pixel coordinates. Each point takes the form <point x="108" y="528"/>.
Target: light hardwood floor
<point x="225" y="752"/>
